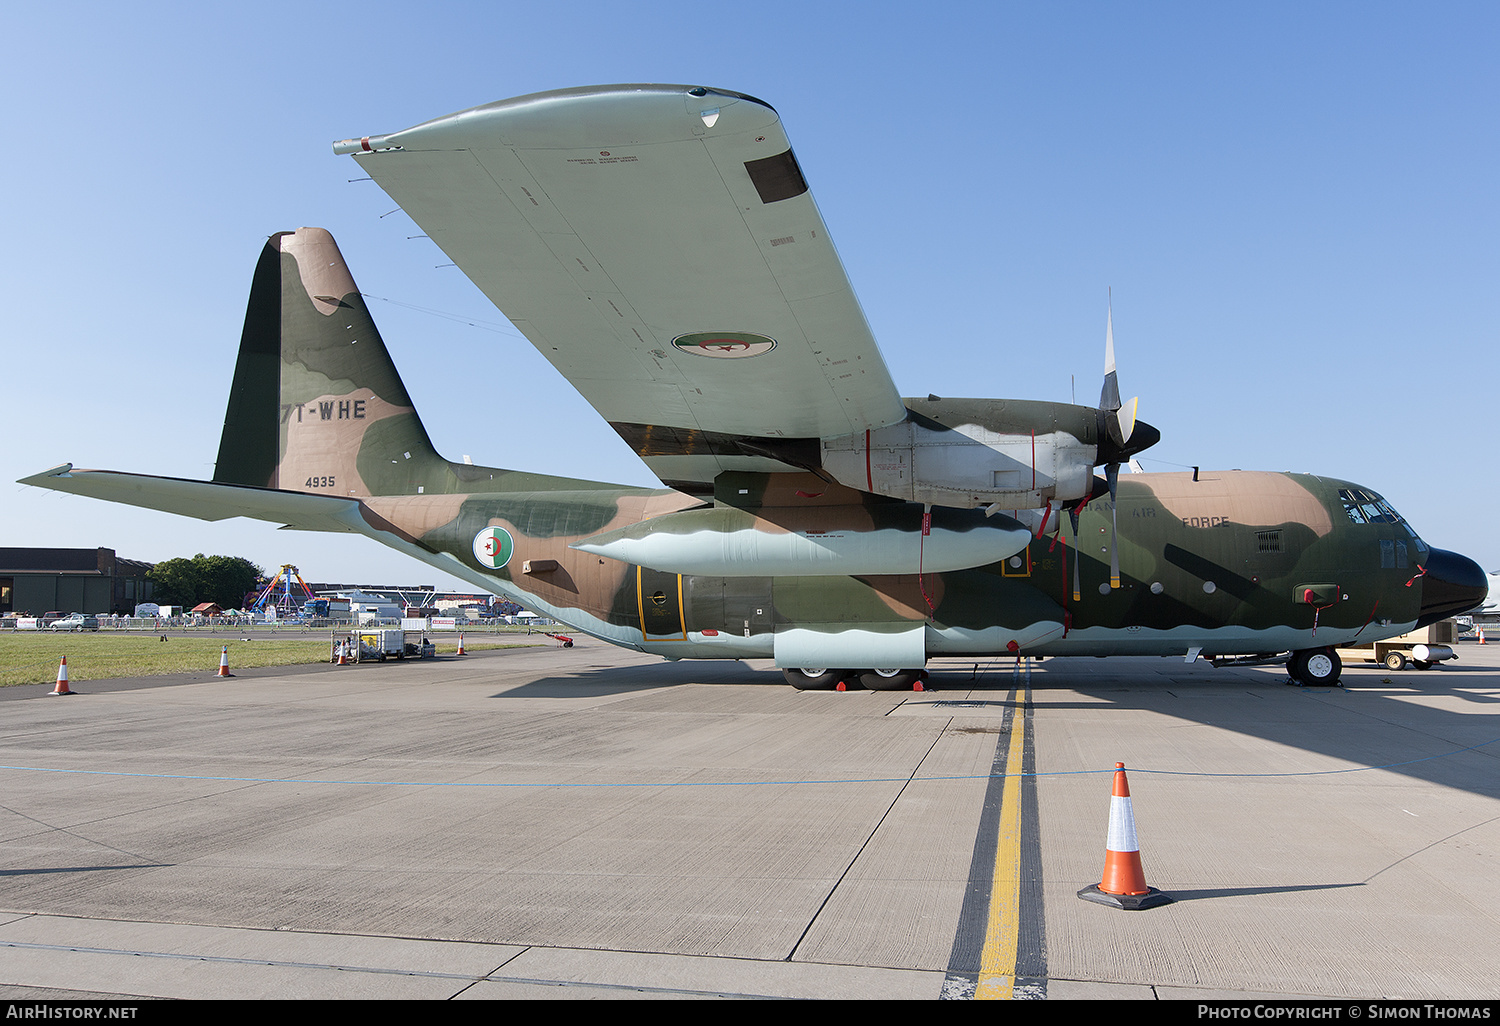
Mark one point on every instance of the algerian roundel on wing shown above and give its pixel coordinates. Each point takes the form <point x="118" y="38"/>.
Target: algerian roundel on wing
<point x="493" y="547"/>
<point x="728" y="345"/>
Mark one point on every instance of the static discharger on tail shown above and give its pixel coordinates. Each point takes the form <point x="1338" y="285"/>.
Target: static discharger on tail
<point x="659" y="245"/>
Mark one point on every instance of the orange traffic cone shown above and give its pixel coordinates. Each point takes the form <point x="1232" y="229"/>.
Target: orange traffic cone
<point x="1124" y="883"/>
<point x="342" y="646"/>
<point x="224" y="663"/>
<point x="62" y="679"/>
<point x="1481" y="635"/>
<point x="460" y="644"/>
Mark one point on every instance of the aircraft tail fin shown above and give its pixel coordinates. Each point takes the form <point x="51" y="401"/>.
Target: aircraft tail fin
<point x="316" y="403"/>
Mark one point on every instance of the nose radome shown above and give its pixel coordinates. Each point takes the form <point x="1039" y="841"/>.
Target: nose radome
<point x="1451" y="584"/>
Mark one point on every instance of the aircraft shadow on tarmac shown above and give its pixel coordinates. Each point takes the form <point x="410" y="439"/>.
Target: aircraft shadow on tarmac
<point x="1440" y="745"/>
<point x="606" y="681"/>
<point x="82" y="869"/>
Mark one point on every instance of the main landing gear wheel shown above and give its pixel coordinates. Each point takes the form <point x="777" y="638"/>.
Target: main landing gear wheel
<point x="889" y="680"/>
<point x="811" y="679"/>
<point x="1315" y="667"/>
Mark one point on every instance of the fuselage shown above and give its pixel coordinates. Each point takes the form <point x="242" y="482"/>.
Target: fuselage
<point x="1226" y="563"/>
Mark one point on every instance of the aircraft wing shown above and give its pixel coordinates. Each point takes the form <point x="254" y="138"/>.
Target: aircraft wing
<point x="658" y="244"/>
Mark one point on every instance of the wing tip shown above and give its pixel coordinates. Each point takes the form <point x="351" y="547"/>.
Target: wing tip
<point x="427" y="132"/>
<point x="61" y="470"/>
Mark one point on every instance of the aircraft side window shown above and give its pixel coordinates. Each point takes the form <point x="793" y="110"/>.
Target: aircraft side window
<point x="1401" y="554"/>
<point x="1421" y="545"/>
<point x="1387" y="554"/>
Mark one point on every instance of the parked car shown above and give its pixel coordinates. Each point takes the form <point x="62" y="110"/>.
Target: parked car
<point x="74" y="622"/>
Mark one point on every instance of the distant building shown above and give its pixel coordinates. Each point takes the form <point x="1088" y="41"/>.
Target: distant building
<point x="422" y="600"/>
<point x="71" y="580"/>
<point x="366" y="605"/>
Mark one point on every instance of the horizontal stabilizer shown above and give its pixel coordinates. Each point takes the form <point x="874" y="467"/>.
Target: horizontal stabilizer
<point x="206" y="500"/>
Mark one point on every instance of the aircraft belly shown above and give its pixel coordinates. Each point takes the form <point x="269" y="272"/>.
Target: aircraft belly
<point x="712" y="646"/>
<point x="1228" y="641"/>
<point x="992" y="640"/>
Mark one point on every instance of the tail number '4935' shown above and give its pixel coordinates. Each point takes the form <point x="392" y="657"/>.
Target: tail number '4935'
<point x="319" y="482"/>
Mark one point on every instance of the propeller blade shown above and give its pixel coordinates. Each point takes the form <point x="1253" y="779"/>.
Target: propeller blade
<point x="1112" y="474"/>
<point x="1124" y="420"/>
<point x="1077" y="554"/>
<point x="1118" y="422"/>
<point x="1109" y="397"/>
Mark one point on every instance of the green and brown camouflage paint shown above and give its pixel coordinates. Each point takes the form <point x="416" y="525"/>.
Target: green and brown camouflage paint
<point x="1226" y="563"/>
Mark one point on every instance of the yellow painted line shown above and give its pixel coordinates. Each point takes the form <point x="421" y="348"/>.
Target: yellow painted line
<point x="997" y="962"/>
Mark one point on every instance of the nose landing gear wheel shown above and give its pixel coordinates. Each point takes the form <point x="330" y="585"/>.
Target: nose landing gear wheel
<point x="1315" y="667"/>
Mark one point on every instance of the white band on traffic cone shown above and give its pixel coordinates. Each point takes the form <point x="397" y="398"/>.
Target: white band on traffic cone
<point x="1122" y="836"/>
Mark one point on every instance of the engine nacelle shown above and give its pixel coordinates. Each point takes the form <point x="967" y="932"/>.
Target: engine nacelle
<point x="964" y="453"/>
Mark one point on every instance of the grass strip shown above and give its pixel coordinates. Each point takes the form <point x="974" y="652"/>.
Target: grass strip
<point x="32" y="658"/>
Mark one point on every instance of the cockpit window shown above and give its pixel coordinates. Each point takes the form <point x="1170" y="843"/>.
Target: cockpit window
<point x="1352" y="505"/>
<point x="1363" y="507"/>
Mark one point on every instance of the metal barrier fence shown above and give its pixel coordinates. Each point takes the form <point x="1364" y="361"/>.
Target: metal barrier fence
<point x="216" y="624"/>
<point x="162" y="623"/>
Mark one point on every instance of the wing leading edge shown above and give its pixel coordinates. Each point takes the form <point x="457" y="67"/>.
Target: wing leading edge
<point x="658" y="244"/>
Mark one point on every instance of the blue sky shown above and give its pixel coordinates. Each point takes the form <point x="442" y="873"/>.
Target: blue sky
<point x="1294" y="204"/>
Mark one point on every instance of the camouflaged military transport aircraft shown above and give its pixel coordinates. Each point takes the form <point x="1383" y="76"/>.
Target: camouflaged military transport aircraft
<point x="659" y="245"/>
